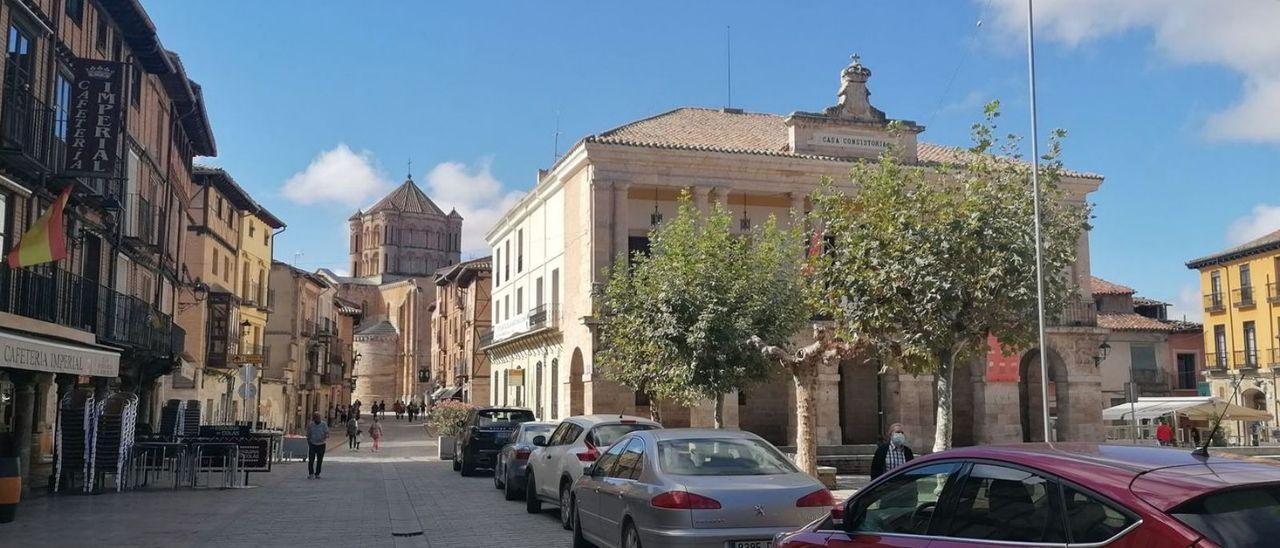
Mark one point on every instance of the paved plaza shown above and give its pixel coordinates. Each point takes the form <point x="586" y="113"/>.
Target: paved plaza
<point x="401" y="496"/>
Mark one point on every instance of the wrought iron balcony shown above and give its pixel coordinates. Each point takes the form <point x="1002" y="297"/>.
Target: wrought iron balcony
<point x="1215" y="302"/>
<point x="250" y="294"/>
<point x="49" y="294"/>
<point x="1076" y="313"/>
<point x="1245" y="359"/>
<point x="1243" y="298"/>
<point x="140" y="221"/>
<point x="308" y="328"/>
<point x="268" y="302"/>
<point x="27" y="128"/>
<point x="1274" y="361"/>
<point x="1216" y="361"/>
<point x="1273" y="292"/>
<point x="1153" y="380"/>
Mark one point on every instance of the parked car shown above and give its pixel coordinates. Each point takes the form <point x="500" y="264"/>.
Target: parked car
<point x="693" y="488"/>
<point x="508" y="471"/>
<point x="574" y="446"/>
<point x="484" y="433"/>
<point x="1060" y="494"/>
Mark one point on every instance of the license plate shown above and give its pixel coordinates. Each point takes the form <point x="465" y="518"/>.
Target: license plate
<point x="750" y="543"/>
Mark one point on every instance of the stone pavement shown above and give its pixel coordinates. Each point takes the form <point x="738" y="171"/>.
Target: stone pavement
<point x="399" y="497"/>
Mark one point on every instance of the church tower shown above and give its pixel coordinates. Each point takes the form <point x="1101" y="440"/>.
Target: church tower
<point x="404" y="235"/>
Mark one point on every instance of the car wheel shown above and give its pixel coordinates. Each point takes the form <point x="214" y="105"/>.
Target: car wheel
<point x="497" y="477"/>
<point x="468" y="467"/>
<point x="566" y="513"/>
<point x="509" y="489"/>
<point x="532" y="504"/>
<point x="457" y="465"/>
<point x="630" y="537"/>
<point x="578" y="540"/>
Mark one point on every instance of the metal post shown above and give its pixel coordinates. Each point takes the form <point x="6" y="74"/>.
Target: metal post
<point x="1035" y="199"/>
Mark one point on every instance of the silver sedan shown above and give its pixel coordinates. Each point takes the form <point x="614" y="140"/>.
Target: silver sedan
<point x="693" y="487"/>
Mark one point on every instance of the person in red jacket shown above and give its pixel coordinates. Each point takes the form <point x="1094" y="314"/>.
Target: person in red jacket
<point x="1164" y="433"/>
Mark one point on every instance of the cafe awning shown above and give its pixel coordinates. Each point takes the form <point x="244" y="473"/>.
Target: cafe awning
<point x="445" y="393"/>
<point x="57" y="356"/>
<point x="1195" y="407"/>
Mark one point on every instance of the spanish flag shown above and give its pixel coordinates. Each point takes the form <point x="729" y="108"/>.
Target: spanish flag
<point x="46" y="240"/>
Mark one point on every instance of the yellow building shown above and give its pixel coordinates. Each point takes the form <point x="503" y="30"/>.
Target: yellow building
<point x="257" y="231"/>
<point x="1241" y="288"/>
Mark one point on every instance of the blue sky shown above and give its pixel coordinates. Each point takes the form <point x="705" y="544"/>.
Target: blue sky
<point x="317" y="107"/>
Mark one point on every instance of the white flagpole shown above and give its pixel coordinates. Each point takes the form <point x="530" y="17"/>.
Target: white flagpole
<point x="1035" y="198"/>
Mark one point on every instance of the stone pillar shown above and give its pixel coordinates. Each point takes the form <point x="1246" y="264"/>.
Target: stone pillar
<point x="722" y="197"/>
<point x="797" y="203"/>
<point x="702" y="197"/>
<point x="621" y="219"/>
<point x="24" y="413"/>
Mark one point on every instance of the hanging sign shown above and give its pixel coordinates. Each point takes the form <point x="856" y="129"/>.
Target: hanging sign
<point x="95" y="120"/>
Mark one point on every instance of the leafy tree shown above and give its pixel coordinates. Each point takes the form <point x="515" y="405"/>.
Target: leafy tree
<point x="927" y="263"/>
<point x="677" y="321"/>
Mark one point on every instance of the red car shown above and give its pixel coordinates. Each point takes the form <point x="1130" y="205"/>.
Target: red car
<point x="1061" y="494"/>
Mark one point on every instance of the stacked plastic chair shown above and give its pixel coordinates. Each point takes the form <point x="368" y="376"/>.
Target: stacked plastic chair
<point x="113" y="436"/>
<point x="191" y="419"/>
<point x="76" y="419"/>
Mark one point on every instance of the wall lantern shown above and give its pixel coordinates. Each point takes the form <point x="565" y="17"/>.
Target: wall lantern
<point x="1104" y="350"/>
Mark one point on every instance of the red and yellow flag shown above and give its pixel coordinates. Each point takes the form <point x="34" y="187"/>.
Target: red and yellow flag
<point x="46" y="240"/>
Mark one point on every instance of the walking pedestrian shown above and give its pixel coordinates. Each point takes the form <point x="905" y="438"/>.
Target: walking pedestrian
<point x="317" y="435"/>
<point x="375" y="432"/>
<point x="353" y="430"/>
<point x="892" y="454"/>
<point x="1164" y="433"/>
<point x="398" y="408"/>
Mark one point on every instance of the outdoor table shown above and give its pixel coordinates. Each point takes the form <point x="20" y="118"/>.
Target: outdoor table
<point x="229" y="453"/>
<point x="158" y="456"/>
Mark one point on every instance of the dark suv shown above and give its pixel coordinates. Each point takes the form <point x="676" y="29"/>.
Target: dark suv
<point x="486" y="430"/>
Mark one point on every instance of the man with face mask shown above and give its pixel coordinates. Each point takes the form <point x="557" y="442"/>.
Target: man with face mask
<point x="891" y="454"/>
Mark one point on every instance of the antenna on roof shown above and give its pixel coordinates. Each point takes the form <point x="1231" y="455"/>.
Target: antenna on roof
<point x="728" y="66"/>
<point x="555" y="153"/>
<point x="1203" y="450"/>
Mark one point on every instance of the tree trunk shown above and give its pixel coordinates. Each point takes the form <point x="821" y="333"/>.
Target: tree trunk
<point x="805" y="375"/>
<point x="944" y="382"/>
<point x="654" y="412"/>
<point x="719" y="412"/>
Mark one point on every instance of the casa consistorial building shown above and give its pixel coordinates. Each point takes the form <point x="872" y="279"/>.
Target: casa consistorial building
<point x="604" y="196"/>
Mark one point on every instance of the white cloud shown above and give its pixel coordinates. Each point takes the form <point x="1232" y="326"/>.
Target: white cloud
<point x="1238" y="34"/>
<point x="1263" y="220"/>
<point x="338" y="175"/>
<point x="1187" y="305"/>
<point x="478" y="196"/>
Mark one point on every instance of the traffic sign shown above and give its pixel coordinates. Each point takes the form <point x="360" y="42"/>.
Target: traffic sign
<point x="247" y="358"/>
<point x="248" y="391"/>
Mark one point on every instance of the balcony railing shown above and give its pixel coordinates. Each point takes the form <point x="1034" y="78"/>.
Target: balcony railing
<point x="308" y="328"/>
<point x="546" y="315"/>
<point x="268" y="303"/>
<point x="1245" y="359"/>
<point x="1216" y="361"/>
<point x="326" y="328"/>
<point x="1214" y="302"/>
<point x="1243" y="297"/>
<point x="56" y="296"/>
<point x="27" y="128"/>
<point x="1273" y="292"/>
<point x="1152" y="380"/>
<point x="251" y="294"/>
<point x="1077" y="313"/>
<point x="1275" y="358"/>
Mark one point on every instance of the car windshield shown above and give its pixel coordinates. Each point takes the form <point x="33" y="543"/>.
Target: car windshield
<point x="528" y="432"/>
<point x="1238" y="517"/>
<point x="606" y="434"/>
<point x="722" y="457"/>
<point x="486" y="417"/>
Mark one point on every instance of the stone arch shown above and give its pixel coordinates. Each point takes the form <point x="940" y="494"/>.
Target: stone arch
<point x="577" y="392"/>
<point x="1030" y="408"/>
<point x="1254" y="399"/>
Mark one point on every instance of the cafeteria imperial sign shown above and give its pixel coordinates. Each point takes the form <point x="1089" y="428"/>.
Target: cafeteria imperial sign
<point x="33" y="354"/>
<point x="96" y="118"/>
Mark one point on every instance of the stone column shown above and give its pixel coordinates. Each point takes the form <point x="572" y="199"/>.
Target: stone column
<point x="24" y="413"/>
<point x="701" y="197"/>
<point x="722" y="197"/>
<point x="797" y="203"/>
<point x="621" y="219"/>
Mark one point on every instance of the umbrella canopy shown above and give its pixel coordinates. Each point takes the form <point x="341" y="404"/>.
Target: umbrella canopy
<point x="1197" y="407"/>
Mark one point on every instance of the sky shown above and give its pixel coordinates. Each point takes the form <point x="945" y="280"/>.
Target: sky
<point x="320" y="108"/>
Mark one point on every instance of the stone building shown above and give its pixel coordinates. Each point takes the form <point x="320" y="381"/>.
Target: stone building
<point x="396" y="246"/>
<point x="109" y="307"/>
<point x="307" y="352"/>
<point x="459" y="318"/>
<point x="602" y="198"/>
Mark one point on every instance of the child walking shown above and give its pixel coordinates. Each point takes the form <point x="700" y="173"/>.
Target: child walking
<point x="375" y="432"/>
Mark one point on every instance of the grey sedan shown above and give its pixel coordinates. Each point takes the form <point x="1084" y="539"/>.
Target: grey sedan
<point x="693" y="487"/>
<point x="508" y="469"/>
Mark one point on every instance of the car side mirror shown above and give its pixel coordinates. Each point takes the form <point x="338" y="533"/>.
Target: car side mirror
<point x="540" y="441"/>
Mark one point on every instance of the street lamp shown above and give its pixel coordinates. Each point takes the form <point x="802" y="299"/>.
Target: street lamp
<point x="1104" y="350"/>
